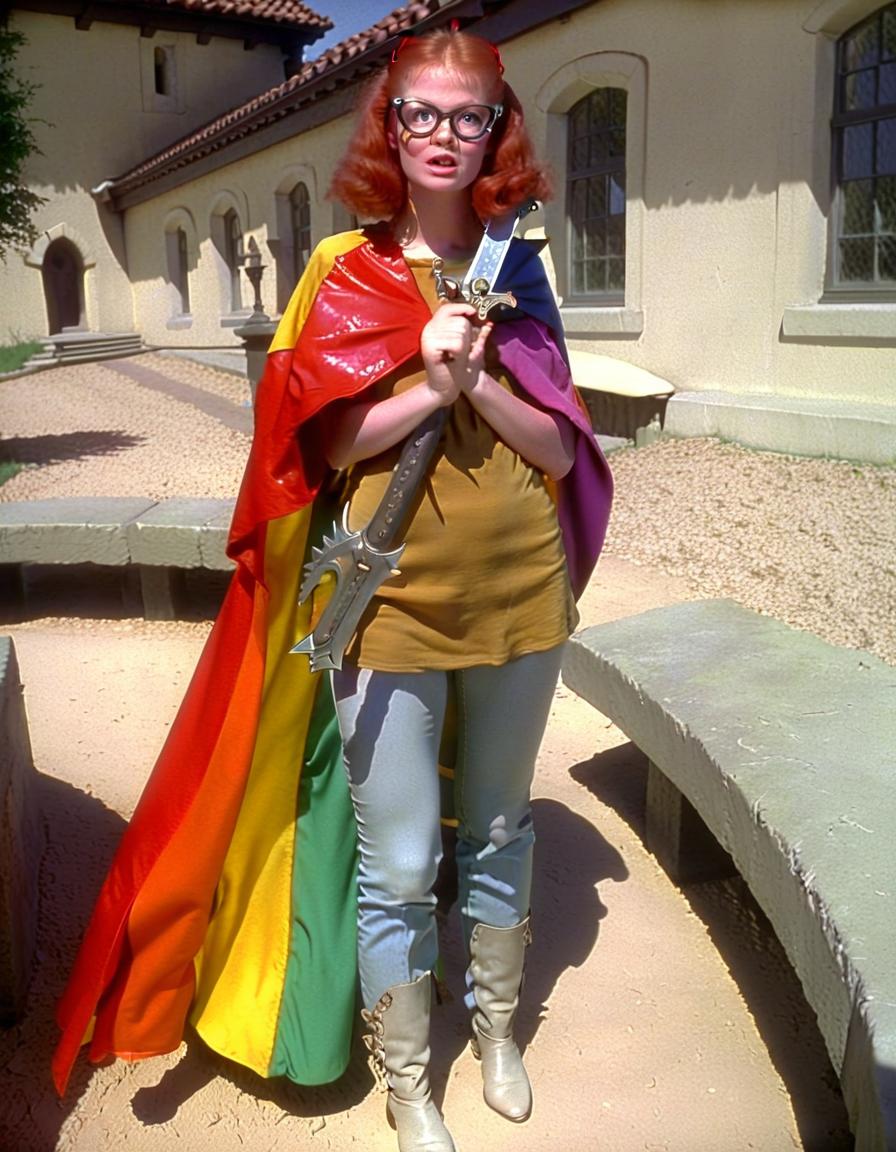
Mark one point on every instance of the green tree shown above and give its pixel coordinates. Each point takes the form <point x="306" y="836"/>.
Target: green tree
<point x="17" y="202"/>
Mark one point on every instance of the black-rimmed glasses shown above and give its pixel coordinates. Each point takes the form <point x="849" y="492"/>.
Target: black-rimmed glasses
<point x="471" y="122"/>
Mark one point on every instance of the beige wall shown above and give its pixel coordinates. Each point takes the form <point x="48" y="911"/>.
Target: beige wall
<point x="251" y="188"/>
<point x="97" y="115"/>
<point x="729" y="106"/>
<point x="728" y="198"/>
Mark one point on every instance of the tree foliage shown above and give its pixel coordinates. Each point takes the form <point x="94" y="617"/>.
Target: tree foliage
<point x="17" y="142"/>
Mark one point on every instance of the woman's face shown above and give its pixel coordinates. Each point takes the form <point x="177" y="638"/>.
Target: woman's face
<point x="440" y="161"/>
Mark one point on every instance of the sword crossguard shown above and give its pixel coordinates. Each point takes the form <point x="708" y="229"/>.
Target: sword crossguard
<point x="484" y="301"/>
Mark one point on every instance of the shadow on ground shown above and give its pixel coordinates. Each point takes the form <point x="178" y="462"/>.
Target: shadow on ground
<point x="746" y="941"/>
<point x="54" y="448"/>
<point x="81" y="835"/>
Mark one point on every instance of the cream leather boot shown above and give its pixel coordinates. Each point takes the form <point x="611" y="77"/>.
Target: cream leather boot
<point x="496" y="969"/>
<point x="399" y="1044"/>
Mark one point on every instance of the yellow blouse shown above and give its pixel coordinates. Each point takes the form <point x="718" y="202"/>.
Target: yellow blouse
<point x="483" y="575"/>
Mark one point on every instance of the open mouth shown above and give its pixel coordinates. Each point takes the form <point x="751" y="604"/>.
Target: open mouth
<point x="442" y="162"/>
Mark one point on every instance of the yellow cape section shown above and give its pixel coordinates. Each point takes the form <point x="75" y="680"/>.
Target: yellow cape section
<point x="241" y="970"/>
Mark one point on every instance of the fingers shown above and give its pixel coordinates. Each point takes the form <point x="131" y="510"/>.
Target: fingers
<point x="477" y="349"/>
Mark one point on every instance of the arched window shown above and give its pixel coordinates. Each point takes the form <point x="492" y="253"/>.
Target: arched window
<point x="179" y="270"/>
<point x="233" y="256"/>
<point x="300" y="228"/>
<point x="595" y="173"/>
<point x="162" y="61"/>
<point x="864" y="149"/>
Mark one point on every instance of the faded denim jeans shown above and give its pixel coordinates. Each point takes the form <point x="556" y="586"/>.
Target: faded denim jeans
<point x="391" y="725"/>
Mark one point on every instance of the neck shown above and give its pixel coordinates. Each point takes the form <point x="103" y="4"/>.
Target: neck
<point x="439" y="224"/>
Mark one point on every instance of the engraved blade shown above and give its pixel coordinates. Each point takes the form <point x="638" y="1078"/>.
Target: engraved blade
<point x="493" y="249"/>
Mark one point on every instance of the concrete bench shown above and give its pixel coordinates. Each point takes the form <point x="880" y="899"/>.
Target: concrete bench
<point x="21" y="841"/>
<point x="158" y="539"/>
<point x="786" y="749"/>
<point x="624" y="401"/>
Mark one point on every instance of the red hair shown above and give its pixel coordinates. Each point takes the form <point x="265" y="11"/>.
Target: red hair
<point x="369" y="179"/>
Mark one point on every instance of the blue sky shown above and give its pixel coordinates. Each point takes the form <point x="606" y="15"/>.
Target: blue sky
<point x="348" y="16"/>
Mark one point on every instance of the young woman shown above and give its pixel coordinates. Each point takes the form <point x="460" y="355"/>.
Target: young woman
<point x="233" y="900"/>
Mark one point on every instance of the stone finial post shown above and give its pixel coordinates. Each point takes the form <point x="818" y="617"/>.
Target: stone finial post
<point x="258" y="330"/>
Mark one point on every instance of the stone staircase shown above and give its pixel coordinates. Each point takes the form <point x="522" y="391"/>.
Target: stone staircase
<point x="76" y="346"/>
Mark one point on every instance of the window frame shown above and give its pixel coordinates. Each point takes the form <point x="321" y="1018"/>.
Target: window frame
<point x="602" y="168"/>
<point x="836" y="289"/>
<point x="592" y="319"/>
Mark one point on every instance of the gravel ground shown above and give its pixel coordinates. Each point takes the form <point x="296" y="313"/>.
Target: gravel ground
<point x="811" y="542"/>
<point x="86" y="430"/>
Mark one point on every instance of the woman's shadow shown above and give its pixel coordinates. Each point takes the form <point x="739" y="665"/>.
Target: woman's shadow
<point x="571" y="860"/>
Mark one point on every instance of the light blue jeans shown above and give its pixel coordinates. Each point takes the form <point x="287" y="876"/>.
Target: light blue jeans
<point x="391" y="725"/>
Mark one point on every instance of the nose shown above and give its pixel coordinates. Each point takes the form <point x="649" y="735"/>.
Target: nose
<point x="444" y="133"/>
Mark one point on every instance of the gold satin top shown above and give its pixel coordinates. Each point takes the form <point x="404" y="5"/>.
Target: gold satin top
<point x="483" y="575"/>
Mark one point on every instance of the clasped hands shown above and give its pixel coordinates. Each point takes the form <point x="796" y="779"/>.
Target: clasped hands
<point x="453" y="350"/>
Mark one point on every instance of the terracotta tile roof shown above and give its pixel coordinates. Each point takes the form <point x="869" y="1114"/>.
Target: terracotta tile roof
<point x="269" y="11"/>
<point x="339" y="65"/>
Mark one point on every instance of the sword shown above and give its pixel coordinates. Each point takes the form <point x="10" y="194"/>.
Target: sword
<point x="363" y="560"/>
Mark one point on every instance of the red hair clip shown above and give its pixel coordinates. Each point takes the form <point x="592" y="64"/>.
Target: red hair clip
<point x="402" y="43"/>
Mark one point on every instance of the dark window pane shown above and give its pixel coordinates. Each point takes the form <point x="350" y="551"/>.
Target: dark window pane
<point x="886" y="203"/>
<point x="578" y="241"/>
<point x="596" y="276"/>
<point x="886" y="147"/>
<point x="579" y="159"/>
<point x="858" y="207"/>
<point x="618" y="99"/>
<point x="859" y="90"/>
<point x="617" y="142"/>
<point x="888" y="47"/>
<point x="597" y="197"/>
<point x="617" y="194"/>
<point x="887" y="84"/>
<point x="858" y="151"/>
<point x="616" y="236"/>
<point x="886" y="258"/>
<point x="578" y="200"/>
<point x="857" y="259"/>
<point x="599" y="147"/>
<point x="596" y="238"/>
<point x="616" y="275"/>
<point x="862" y="47"/>
<point x="578" y="278"/>
<point x="579" y="120"/>
<point x="599" y="107"/>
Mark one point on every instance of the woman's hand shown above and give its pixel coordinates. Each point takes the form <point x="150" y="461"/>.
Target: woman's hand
<point x="453" y="350"/>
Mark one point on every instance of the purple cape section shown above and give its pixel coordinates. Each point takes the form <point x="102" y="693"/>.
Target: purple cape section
<point x="528" y="351"/>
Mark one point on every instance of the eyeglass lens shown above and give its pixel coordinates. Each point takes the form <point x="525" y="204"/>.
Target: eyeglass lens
<point x="469" y="123"/>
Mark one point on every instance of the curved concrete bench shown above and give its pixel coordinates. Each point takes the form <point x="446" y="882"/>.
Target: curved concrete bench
<point x="786" y="748"/>
<point x="160" y="538"/>
<point x="21" y="841"/>
<point x="624" y="400"/>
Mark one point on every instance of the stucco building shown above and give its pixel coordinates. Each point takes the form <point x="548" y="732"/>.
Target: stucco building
<point x="725" y="209"/>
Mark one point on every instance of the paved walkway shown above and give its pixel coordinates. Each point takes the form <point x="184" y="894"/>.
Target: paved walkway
<point x="653" y="1019"/>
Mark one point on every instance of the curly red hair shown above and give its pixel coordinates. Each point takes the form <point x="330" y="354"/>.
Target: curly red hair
<point x="369" y="179"/>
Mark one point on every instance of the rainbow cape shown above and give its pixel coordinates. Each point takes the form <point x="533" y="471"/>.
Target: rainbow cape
<point x="231" y="899"/>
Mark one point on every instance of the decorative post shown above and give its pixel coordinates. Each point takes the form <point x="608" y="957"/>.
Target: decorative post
<point x="258" y="330"/>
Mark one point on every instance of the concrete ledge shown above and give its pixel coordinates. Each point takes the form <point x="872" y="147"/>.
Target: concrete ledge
<point x="846" y="320"/>
<point x="68" y="530"/>
<point x="786" y="747"/>
<point x="160" y="539"/>
<point x="21" y="842"/>
<point x="830" y="428"/>
<point x="171" y="533"/>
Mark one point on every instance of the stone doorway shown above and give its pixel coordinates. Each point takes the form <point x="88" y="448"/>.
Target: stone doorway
<point x="63" y="275"/>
